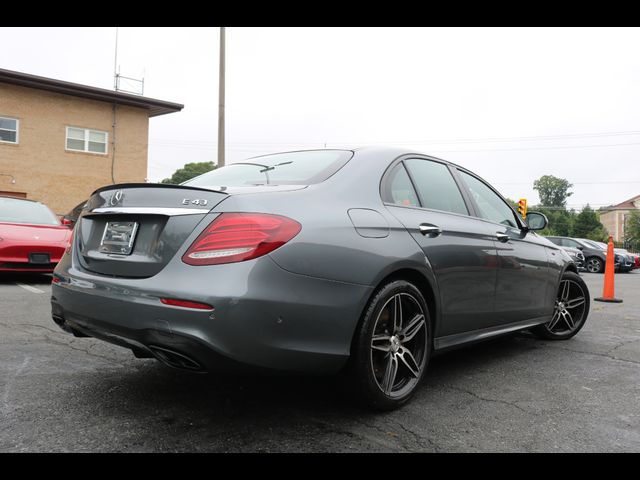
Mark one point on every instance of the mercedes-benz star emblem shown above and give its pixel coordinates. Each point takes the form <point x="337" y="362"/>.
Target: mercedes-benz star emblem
<point x="116" y="198"/>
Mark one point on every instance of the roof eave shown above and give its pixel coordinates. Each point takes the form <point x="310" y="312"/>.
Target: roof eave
<point x="155" y="107"/>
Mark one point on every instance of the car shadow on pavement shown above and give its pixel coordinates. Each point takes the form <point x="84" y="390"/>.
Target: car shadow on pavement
<point x="174" y="400"/>
<point x="8" y="278"/>
<point x="157" y="383"/>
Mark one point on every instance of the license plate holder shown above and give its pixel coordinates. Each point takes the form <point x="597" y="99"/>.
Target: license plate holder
<point x="118" y="237"/>
<point x="39" y="258"/>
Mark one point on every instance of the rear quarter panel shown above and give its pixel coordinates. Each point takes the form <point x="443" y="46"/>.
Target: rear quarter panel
<point x="328" y="245"/>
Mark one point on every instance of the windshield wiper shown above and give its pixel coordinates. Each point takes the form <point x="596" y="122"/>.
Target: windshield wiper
<point x="268" y="169"/>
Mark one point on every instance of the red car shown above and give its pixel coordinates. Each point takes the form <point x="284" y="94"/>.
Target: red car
<point x="32" y="239"/>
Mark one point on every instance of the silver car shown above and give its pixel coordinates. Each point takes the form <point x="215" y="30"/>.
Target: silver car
<point x="363" y="263"/>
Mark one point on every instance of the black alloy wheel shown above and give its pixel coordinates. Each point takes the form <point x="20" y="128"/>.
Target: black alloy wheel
<point x="570" y="310"/>
<point x="392" y="347"/>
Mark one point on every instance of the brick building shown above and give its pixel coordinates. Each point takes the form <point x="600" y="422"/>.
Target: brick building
<point x="614" y="217"/>
<point x="59" y="141"/>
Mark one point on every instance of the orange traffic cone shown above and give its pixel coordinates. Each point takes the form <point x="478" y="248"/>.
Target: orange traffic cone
<point x="609" y="275"/>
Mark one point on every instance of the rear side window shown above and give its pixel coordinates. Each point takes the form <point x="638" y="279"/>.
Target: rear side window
<point x="293" y="168"/>
<point x="436" y="187"/>
<point x="401" y="190"/>
<point x="491" y="206"/>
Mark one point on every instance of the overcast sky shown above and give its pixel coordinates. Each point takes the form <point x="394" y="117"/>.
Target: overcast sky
<point x="510" y="104"/>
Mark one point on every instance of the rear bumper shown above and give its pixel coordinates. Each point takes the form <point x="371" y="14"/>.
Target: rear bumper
<point x="15" y="258"/>
<point x="263" y="316"/>
<point x="626" y="267"/>
<point x="26" y="267"/>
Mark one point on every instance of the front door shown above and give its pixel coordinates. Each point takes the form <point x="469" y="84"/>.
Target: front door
<point x="524" y="276"/>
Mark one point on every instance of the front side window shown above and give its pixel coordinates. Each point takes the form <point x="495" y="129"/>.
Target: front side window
<point x="491" y="206"/>
<point x="593" y="244"/>
<point x="86" y="140"/>
<point x="436" y="187"/>
<point x="8" y="130"/>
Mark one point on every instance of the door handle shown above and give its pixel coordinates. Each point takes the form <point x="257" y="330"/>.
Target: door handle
<point x="503" y="237"/>
<point x="431" y="230"/>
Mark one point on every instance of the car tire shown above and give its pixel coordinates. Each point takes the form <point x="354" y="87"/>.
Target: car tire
<point x="384" y="347"/>
<point x="594" y="265"/>
<point x="570" y="311"/>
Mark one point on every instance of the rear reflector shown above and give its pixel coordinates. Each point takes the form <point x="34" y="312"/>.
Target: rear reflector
<point x="174" y="302"/>
<point x="236" y="237"/>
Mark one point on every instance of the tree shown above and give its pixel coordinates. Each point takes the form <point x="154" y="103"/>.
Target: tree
<point x="562" y="223"/>
<point x="553" y="191"/>
<point x="512" y="202"/>
<point x="587" y="225"/>
<point x="632" y="226"/>
<point x="189" y="171"/>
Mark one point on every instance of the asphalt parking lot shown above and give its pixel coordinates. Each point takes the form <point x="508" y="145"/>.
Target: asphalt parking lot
<point x="60" y="393"/>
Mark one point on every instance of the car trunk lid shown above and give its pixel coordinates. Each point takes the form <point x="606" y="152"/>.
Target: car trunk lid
<point x="133" y="230"/>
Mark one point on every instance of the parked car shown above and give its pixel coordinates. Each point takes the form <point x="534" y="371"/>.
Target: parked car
<point x="595" y="256"/>
<point x="32" y="238"/>
<point x="628" y="260"/>
<point x="577" y="256"/>
<point x="623" y="262"/>
<point x="363" y="262"/>
<point x="71" y="218"/>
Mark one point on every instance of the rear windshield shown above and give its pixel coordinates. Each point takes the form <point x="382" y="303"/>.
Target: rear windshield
<point x="13" y="210"/>
<point x="295" y="168"/>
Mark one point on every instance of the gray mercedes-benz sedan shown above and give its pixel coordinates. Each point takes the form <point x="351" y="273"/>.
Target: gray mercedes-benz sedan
<point x="360" y="262"/>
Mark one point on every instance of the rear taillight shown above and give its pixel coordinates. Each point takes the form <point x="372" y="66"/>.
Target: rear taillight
<point x="70" y="244"/>
<point x="236" y="237"/>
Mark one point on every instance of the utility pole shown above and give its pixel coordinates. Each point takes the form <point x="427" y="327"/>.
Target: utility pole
<point x="115" y="65"/>
<point x="221" y="103"/>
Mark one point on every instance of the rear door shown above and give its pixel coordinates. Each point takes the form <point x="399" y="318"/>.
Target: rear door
<point x="133" y="230"/>
<point x="525" y="281"/>
<point x="425" y="197"/>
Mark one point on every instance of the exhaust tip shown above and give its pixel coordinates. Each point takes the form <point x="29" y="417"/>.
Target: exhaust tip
<point x="62" y="323"/>
<point x="175" y="359"/>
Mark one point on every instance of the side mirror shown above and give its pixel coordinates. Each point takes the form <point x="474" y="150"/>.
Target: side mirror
<point x="536" y="221"/>
<point x="580" y="247"/>
<point x="67" y="223"/>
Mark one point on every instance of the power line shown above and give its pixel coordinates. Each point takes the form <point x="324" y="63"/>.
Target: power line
<point x="562" y="147"/>
<point x="250" y="147"/>
<point x="615" y="182"/>
<point x="436" y="142"/>
<point x="529" y="138"/>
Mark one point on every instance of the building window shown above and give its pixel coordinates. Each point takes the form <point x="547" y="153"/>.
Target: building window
<point x="85" y="140"/>
<point x="8" y="130"/>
